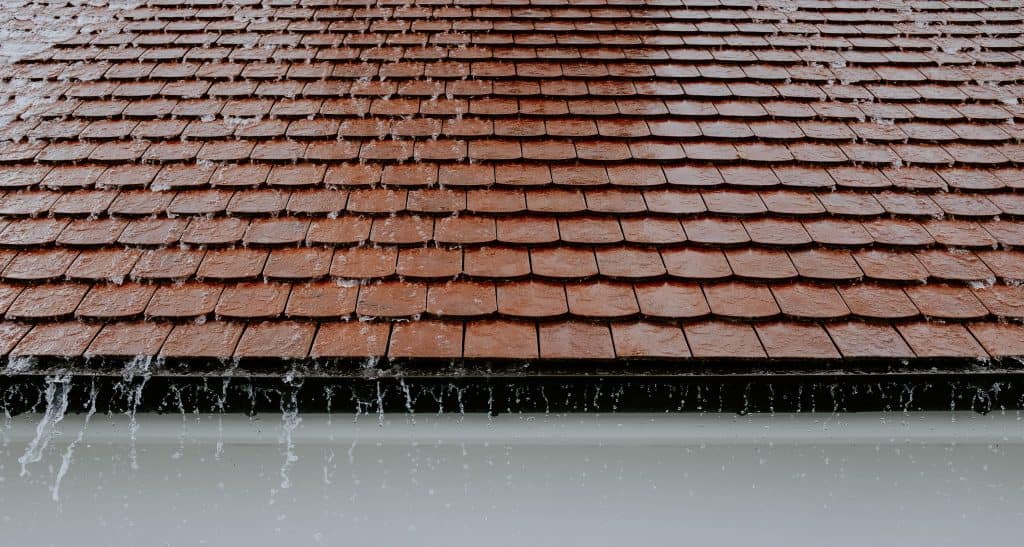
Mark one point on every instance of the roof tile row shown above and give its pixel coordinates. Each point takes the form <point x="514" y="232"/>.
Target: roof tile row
<point x="526" y="299"/>
<point x="499" y="262"/>
<point x="430" y="339"/>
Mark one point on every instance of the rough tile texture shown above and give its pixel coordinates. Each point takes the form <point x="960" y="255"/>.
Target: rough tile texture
<point x="545" y="180"/>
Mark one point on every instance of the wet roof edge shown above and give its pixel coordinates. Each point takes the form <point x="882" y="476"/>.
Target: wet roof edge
<point x="357" y="368"/>
<point x="238" y="391"/>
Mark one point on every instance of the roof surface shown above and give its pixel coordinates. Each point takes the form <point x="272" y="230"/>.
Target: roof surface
<point x="556" y="179"/>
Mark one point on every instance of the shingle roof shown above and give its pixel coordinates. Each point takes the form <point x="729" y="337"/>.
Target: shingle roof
<point x="556" y="179"/>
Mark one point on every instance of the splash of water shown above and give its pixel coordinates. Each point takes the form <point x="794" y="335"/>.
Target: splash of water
<point x="221" y="402"/>
<point x="57" y="388"/>
<point x="65" y="461"/>
<point x="137" y="366"/>
<point x="289" y="421"/>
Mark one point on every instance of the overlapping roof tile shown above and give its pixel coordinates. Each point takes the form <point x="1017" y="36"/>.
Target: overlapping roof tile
<point x="541" y="180"/>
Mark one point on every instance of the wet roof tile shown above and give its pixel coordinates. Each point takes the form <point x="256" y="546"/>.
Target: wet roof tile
<point x="474" y="181"/>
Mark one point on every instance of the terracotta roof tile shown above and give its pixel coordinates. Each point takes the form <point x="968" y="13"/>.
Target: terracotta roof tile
<point x="500" y="340"/>
<point x="649" y="340"/>
<point x="129" y="339"/>
<point x="720" y="339"/>
<point x="864" y="340"/>
<point x="476" y="181"/>
<point x="426" y="339"/>
<point x="351" y="339"/>
<point x="213" y="339"/>
<point x="796" y="341"/>
<point x="576" y="340"/>
<point x="941" y="340"/>
<point x="280" y="339"/>
<point x="67" y="339"/>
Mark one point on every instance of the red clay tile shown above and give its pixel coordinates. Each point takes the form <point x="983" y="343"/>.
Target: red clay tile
<point x="461" y="299"/>
<point x="807" y="301"/>
<point x="321" y="300"/>
<point x="563" y="262"/>
<point x="649" y="340"/>
<point x="941" y="340"/>
<point x="590" y="230"/>
<point x="879" y="302"/>
<point x="109" y="301"/>
<point x="1006" y="265"/>
<point x="891" y="266"/>
<point x="837" y="232"/>
<point x="1002" y="300"/>
<point x="653" y="231"/>
<point x="39" y="265"/>
<point x="108" y="264"/>
<point x="461" y="175"/>
<point x="696" y="263"/>
<point x="232" y="264"/>
<point x="140" y="338"/>
<point x="214" y="231"/>
<point x="68" y="339"/>
<point x="184" y="300"/>
<point x="433" y="263"/>
<point x="824" y="264"/>
<point x="402" y="230"/>
<point x="252" y="300"/>
<point x="31" y="233"/>
<point x="465" y="229"/>
<point x="352" y="175"/>
<point x="760" y="264"/>
<point x="946" y="302"/>
<point x="1000" y="339"/>
<point x="426" y="340"/>
<point x="630" y="262"/>
<point x="276" y="231"/>
<point x="391" y="299"/>
<point x="527" y="229"/>
<point x="7" y="295"/>
<point x="598" y="299"/>
<point x="436" y="200"/>
<point x="10" y="335"/>
<point x="671" y="300"/>
<point x="500" y="340"/>
<point x="531" y="299"/>
<point x="633" y="175"/>
<point x="864" y="340"/>
<point x="496" y="201"/>
<point x="776" y="232"/>
<point x="740" y="300"/>
<point x="167" y="264"/>
<point x="47" y="301"/>
<point x="555" y="201"/>
<point x="364" y="262"/>
<point x="713" y="231"/>
<point x="276" y="339"/>
<point x="213" y="339"/>
<point x="351" y="339"/>
<point x="733" y="203"/>
<point x="716" y="339"/>
<point x="302" y="263"/>
<point x="796" y="341"/>
<point x="496" y="262"/>
<point x="575" y="340"/>
<point x="340" y="230"/>
<point x="954" y="265"/>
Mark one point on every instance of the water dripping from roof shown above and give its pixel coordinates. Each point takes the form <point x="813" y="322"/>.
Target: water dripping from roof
<point x="57" y="388"/>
